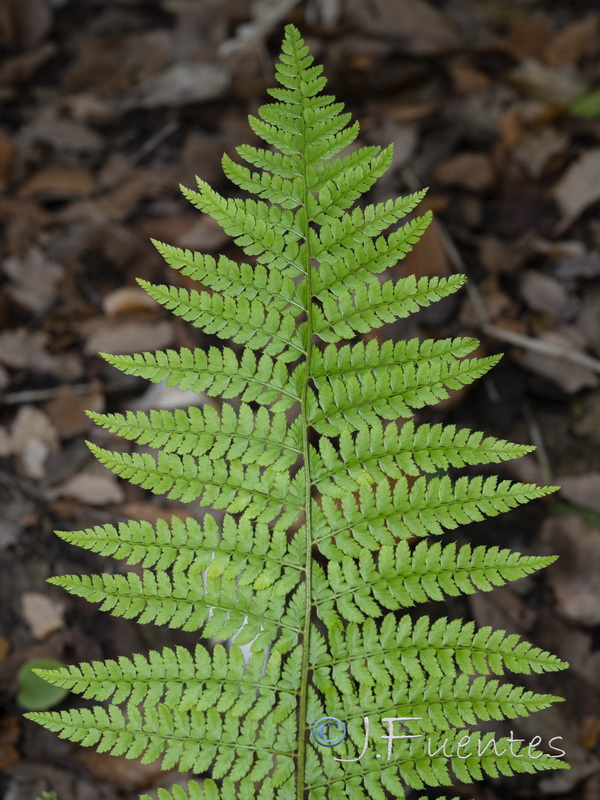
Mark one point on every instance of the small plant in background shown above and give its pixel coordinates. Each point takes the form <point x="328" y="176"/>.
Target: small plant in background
<point x="324" y="495"/>
<point x="35" y="693"/>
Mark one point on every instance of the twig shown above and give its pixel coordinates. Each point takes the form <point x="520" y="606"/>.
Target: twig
<point x="537" y="439"/>
<point x="42" y="395"/>
<point x="494" y="331"/>
<point x="543" y="348"/>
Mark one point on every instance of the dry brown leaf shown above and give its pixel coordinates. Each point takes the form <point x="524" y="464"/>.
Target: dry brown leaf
<point x="180" y="84"/>
<point x="421" y="28"/>
<point x="528" y="36"/>
<point x="25" y="23"/>
<point x="546" y="295"/>
<point x="536" y="148"/>
<point x="201" y="155"/>
<point x="21" y="349"/>
<point x="34" y="279"/>
<point x="589" y="731"/>
<point x="67" y="409"/>
<point x="58" y="182"/>
<point x="569" y="642"/>
<point x="129" y="189"/>
<point x="498" y="255"/>
<point x="575" y="577"/>
<point x="206" y="235"/>
<point x="587" y="423"/>
<point x="130" y="775"/>
<point x="8" y="150"/>
<point x="43" y="614"/>
<point x="91" y="488"/>
<point x="525" y="469"/>
<point x="555" y="85"/>
<point x="60" y="132"/>
<point x="582" y="490"/>
<point x="504" y="609"/>
<point x="473" y="171"/>
<point x="587" y="322"/>
<point x="159" y="395"/>
<point x="129" y="337"/>
<point x="579" y="187"/>
<point x="584" y="265"/>
<point x="4" y="647"/>
<point x="497" y="303"/>
<point x="573" y="41"/>
<point x="17" y="510"/>
<point x="466" y="78"/>
<point x="33" y="438"/>
<point x="10" y="733"/>
<point x="127" y="300"/>
<point x="431" y="257"/>
<point x="570" y="377"/>
<point x="115" y="63"/>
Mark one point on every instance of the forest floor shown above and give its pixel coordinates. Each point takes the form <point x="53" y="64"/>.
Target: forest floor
<point x="494" y="105"/>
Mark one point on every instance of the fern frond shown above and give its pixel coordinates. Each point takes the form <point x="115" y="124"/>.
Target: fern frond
<point x="411" y="450"/>
<point x="283" y="191"/>
<point x="400" y="577"/>
<point x="237" y="280"/>
<point x="224" y="680"/>
<point x="216" y="606"/>
<point x="400" y="650"/>
<point x="369" y="356"/>
<point x="323" y="493"/>
<point x="252" y="438"/>
<point x="239" y="550"/>
<point x="413" y="766"/>
<point x="384" y="513"/>
<point x="184" y="739"/>
<point x="361" y="260"/>
<point x="218" y="373"/>
<point x="209" y="790"/>
<point x="388" y="393"/>
<point x="341" y="236"/>
<point x="247" y="322"/>
<point x="355" y="175"/>
<point x="235" y="488"/>
<point x="451" y="702"/>
<point x="344" y="315"/>
<point x="269" y="234"/>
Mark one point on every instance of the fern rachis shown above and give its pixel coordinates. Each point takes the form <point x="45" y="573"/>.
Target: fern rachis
<point x="323" y="495"/>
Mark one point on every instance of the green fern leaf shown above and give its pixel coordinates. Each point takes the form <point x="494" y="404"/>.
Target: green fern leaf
<point x="312" y="508"/>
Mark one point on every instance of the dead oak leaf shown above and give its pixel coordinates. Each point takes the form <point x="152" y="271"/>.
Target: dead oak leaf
<point x="582" y="490"/>
<point x="58" y="182"/>
<point x="43" y="614"/>
<point x="575" y="577"/>
<point x="579" y="187"/>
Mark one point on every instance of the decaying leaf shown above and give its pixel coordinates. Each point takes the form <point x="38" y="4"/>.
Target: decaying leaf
<point x="575" y="577"/>
<point x="579" y="187"/>
<point x="43" y="614"/>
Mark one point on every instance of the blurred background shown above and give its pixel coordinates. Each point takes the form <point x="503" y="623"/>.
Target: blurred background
<point x="106" y="107"/>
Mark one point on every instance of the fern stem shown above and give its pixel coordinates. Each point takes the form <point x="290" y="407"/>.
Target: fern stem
<point x="300" y="784"/>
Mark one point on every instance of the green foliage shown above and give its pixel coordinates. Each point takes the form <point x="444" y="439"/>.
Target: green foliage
<point x="330" y="496"/>
<point x="36" y="694"/>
